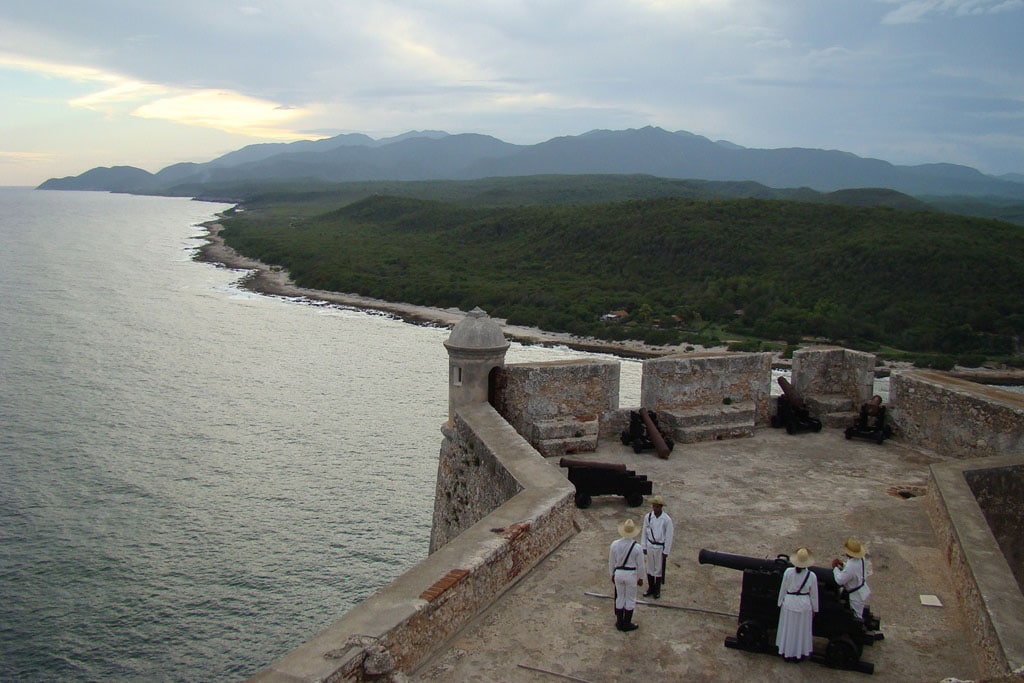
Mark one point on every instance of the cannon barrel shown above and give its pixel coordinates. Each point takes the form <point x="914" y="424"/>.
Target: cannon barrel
<point x="655" y="435"/>
<point x="741" y="562"/>
<point x="571" y="462"/>
<point x="790" y="393"/>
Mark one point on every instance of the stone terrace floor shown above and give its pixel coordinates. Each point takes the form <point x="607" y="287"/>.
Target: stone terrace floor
<point x="756" y="496"/>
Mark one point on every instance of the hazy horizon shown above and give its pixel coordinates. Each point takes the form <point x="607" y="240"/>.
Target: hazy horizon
<point x="114" y="83"/>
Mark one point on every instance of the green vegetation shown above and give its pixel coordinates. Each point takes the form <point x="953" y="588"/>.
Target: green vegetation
<point x="761" y="273"/>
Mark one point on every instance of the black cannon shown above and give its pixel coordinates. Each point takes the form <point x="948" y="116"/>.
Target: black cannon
<point x="644" y="433"/>
<point x="847" y="634"/>
<point x="870" y="423"/>
<point x="605" y="478"/>
<point x="792" y="413"/>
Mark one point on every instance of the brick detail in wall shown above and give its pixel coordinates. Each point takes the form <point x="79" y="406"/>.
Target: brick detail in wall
<point x="443" y="584"/>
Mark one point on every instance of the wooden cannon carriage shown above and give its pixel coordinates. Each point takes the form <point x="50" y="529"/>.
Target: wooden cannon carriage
<point x="792" y="412"/>
<point x="605" y="478"/>
<point x="847" y="633"/>
<point x="870" y="423"/>
<point x="644" y="433"/>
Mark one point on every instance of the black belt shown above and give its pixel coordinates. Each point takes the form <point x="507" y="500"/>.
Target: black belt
<point x="797" y="593"/>
<point x="628" y="569"/>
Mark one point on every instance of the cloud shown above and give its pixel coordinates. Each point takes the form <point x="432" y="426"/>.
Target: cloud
<point x="10" y="156"/>
<point x="219" y="109"/>
<point x="914" y="11"/>
<point x="226" y="111"/>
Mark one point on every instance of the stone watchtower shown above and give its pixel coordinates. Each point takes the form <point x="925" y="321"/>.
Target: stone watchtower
<point x="476" y="348"/>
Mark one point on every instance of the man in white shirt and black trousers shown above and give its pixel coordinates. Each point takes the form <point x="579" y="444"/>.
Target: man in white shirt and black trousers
<point x="657" y="544"/>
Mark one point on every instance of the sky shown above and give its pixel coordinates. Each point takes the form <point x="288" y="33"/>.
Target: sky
<point x="150" y="83"/>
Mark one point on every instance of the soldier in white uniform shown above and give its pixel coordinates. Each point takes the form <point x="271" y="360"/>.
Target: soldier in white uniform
<point x="657" y="543"/>
<point x="626" y="567"/>
<point x="798" y="598"/>
<point x="852" y="575"/>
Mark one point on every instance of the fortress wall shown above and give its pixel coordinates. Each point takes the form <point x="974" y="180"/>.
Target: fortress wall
<point x="530" y="393"/>
<point x="957" y="417"/>
<point x="1000" y="495"/>
<point x="706" y="379"/>
<point x="986" y="588"/>
<point x="834" y="371"/>
<point x="397" y="627"/>
<point x="471" y="483"/>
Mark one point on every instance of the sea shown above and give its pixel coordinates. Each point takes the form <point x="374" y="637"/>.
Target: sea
<point x="195" y="479"/>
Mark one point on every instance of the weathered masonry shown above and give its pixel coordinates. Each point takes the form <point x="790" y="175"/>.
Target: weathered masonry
<point x="502" y="504"/>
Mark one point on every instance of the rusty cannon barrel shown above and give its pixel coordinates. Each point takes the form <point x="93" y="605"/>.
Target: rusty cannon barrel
<point x="846" y="632"/>
<point x="654" y="434"/>
<point x="790" y="393"/>
<point x="792" y="412"/>
<point x="741" y="562"/>
<point x="778" y="564"/>
<point x="572" y="462"/>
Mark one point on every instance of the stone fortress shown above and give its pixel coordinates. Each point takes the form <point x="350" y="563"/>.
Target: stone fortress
<point x="504" y="507"/>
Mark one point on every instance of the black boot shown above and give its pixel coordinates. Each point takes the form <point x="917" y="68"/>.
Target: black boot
<point x="656" y="589"/>
<point x="627" y="622"/>
<point x="620" y="616"/>
<point x="650" y="586"/>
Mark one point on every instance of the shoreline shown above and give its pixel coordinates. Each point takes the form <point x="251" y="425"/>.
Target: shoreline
<point x="275" y="281"/>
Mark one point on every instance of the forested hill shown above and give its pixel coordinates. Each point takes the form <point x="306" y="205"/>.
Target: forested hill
<point x="684" y="269"/>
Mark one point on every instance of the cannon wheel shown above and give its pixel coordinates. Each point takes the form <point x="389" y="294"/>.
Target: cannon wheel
<point x="817" y="426"/>
<point x="625" y="437"/>
<point x="880" y="437"/>
<point x="752" y="636"/>
<point x="635" y="500"/>
<point x="842" y="653"/>
<point x="847" y="434"/>
<point x="790" y="428"/>
<point x="583" y="500"/>
<point x="637" y="446"/>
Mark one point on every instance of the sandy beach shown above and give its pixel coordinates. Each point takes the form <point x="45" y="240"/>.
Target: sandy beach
<point x="275" y="281"/>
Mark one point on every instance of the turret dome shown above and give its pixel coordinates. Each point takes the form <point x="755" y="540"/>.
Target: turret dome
<point x="476" y="331"/>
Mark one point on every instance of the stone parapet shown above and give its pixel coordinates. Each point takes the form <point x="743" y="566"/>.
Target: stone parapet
<point x="955" y="416"/>
<point x="682" y="383"/>
<point x="834" y="372"/>
<point x="398" y="626"/>
<point x="985" y="585"/>
<point x="535" y="396"/>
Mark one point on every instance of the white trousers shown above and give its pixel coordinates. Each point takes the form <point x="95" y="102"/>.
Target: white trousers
<point x="625" y="589"/>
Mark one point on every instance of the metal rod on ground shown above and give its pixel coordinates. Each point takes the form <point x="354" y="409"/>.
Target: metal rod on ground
<point x="553" y="673"/>
<point x="667" y="605"/>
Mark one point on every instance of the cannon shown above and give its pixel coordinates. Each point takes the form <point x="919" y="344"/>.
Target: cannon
<point x="644" y="433"/>
<point x="870" y="423"/>
<point x="605" y="478"/>
<point x="792" y="412"/>
<point x="846" y="633"/>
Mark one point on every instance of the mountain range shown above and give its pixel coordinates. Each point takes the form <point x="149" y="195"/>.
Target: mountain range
<point x="436" y="155"/>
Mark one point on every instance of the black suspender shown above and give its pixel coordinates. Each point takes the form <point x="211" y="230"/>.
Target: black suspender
<point x="626" y="559"/>
<point x="800" y="590"/>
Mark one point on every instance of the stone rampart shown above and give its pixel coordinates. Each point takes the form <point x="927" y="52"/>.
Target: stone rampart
<point x="954" y="416"/>
<point x="681" y="383"/>
<point x="828" y="371"/>
<point x="559" y="406"/>
<point x="984" y="582"/>
<point x="399" y="625"/>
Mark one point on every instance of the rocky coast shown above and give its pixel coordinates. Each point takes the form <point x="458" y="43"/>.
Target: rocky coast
<point x="275" y="281"/>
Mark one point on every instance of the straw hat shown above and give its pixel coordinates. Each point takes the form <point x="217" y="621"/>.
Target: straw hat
<point x="853" y="548"/>
<point x="802" y="558"/>
<point x="657" y="500"/>
<point x="628" y="529"/>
